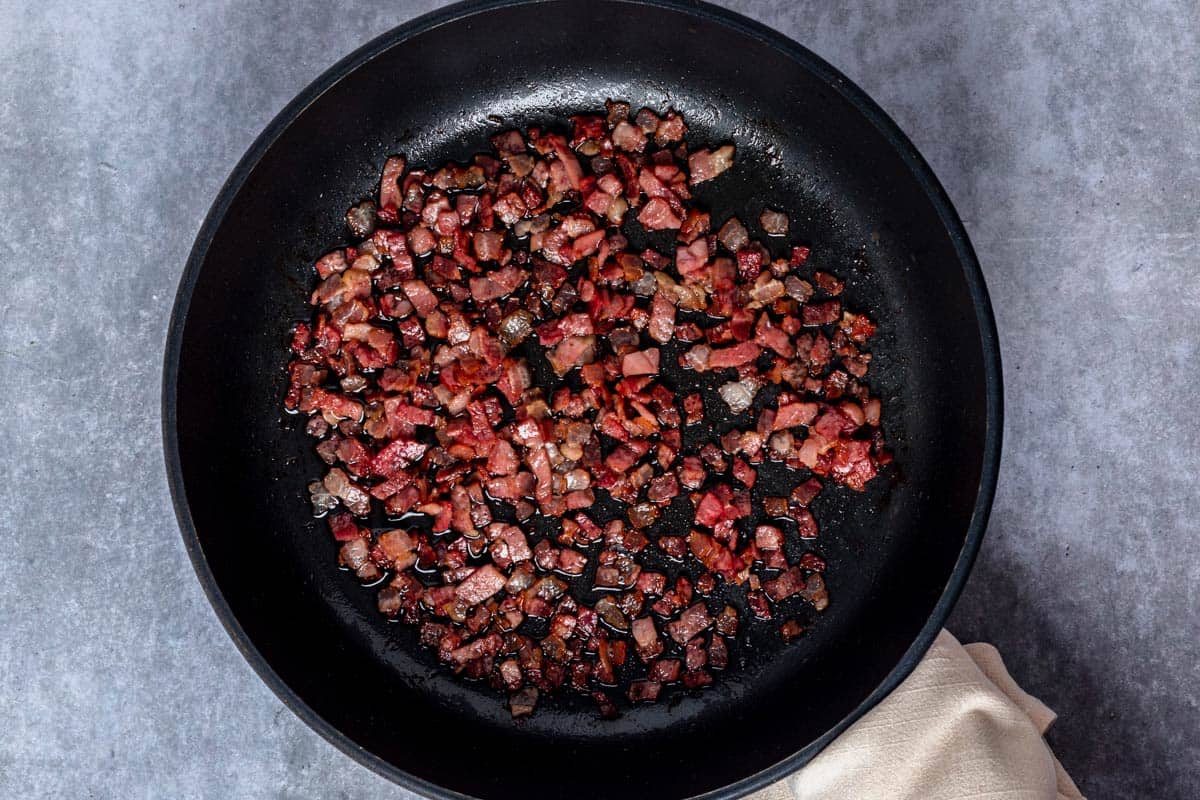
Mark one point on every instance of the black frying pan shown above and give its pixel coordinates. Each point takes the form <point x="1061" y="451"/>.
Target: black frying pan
<point x="807" y="140"/>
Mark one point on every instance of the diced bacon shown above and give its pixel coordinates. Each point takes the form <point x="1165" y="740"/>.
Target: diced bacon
<point x="569" y="161"/>
<point x="710" y="510"/>
<point x="657" y="215"/>
<point x="587" y="244"/>
<point x="487" y="245"/>
<point x="736" y="356"/>
<point x="396" y="456"/>
<point x="423" y="300"/>
<point x="671" y="128"/>
<point x="693" y="621"/>
<point x="389" y="182"/>
<point x="821" y="313"/>
<point x="488" y="356"/>
<point x="331" y="263"/>
<point x="708" y="164"/>
<point x="640" y="362"/>
<point x="421" y="240"/>
<point x="502" y="459"/>
<point x="480" y="585"/>
<point x="692" y="259"/>
<point x="572" y="352"/>
<point x="629" y="138"/>
<point x="497" y="284"/>
<point x="645" y="639"/>
<point x="344" y="528"/>
<point x="661" y="326"/>
<point x="398" y="548"/>
<point x="774" y="338"/>
<point x="793" y="414"/>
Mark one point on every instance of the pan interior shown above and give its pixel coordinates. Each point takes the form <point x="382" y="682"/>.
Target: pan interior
<point x="802" y="147"/>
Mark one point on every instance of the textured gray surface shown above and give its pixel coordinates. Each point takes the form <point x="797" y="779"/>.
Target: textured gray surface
<point x="1066" y="137"/>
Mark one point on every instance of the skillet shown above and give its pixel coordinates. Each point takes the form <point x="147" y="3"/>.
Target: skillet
<point x="808" y="142"/>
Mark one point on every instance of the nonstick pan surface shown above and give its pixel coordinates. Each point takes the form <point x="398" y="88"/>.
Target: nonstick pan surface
<point x="808" y="142"/>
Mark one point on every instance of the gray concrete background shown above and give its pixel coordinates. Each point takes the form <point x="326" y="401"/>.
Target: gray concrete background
<point x="1067" y="137"/>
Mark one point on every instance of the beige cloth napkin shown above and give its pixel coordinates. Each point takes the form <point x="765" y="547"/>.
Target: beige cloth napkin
<point x="957" y="727"/>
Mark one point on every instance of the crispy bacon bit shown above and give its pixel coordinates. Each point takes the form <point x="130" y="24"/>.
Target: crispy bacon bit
<point x="736" y="356"/>
<point x="804" y="494"/>
<point x="821" y="313"/>
<point x="708" y="164"/>
<point x="661" y="326"/>
<point x="645" y="639"/>
<point x="670" y="129"/>
<point x="828" y="283"/>
<point x="356" y="556"/>
<point x="641" y="362"/>
<point x="657" y="215"/>
<point x="523" y="703"/>
<point x="739" y="395"/>
<point x="390" y="195"/>
<point x="629" y="138"/>
<point x="480" y="585"/>
<point x="773" y="223"/>
<point x="492" y="349"/>
<point x="690" y="623"/>
<point x="794" y="414"/>
<point x="644" y="691"/>
<point x="791" y="630"/>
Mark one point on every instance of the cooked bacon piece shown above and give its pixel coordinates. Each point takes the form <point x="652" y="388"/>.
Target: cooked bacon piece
<point x="480" y="585"/>
<point x="398" y="549"/>
<point x="572" y="352"/>
<point x="804" y="494"/>
<point x="664" y="670"/>
<point x="735" y="356"/>
<point x="739" y="395"/>
<point x="812" y="561"/>
<point x="423" y="300"/>
<point x="390" y="194"/>
<point x="343" y="528"/>
<point x="356" y="556"/>
<point x="726" y="622"/>
<point x="693" y="621"/>
<point x="806" y="523"/>
<point x="705" y="165"/>
<point x="661" y="326"/>
<point x="791" y="630"/>
<point x="629" y="137"/>
<point x="768" y="537"/>
<point x="640" y="362"/>
<point x="774" y="338"/>
<point x="793" y="414"/>
<point x="670" y="129"/>
<point x="330" y="263"/>
<point x="692" y="259"/>
<point x="488" y="245"/>
<point x="773" y="223"/>
<point x="644" y="691"/>
<point x="821" y="313"/>
<point x="361" y="220"/>
<point x="645" y="639"/>
<point x="828" y="283"/>
<point x="497" y="284"/>
<point x="715" y="556"/>
<point x="523" y="703"/>
<point x="733" y="235"/>
<point x="657" y="215"/>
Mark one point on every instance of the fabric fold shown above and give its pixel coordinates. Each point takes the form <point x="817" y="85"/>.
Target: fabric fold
<point x="958" y="727"/>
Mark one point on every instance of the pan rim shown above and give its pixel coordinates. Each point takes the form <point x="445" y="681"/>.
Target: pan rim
<point x="919" y="168"/>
